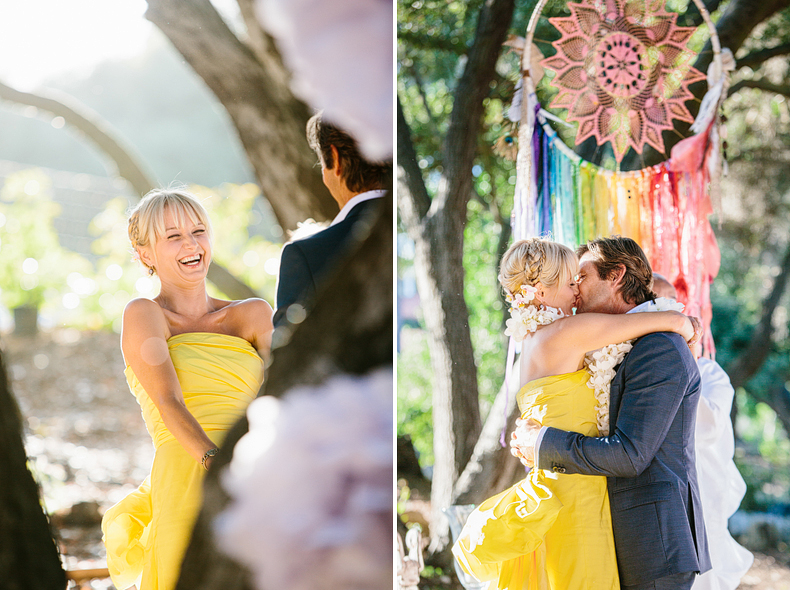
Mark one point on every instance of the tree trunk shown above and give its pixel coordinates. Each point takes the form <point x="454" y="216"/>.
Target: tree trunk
<point x="761" y="342"/>
<point x="456" y="413"/>
<point x="437" y="228"/>
<point x="492" y="468"/>
<point x="270" y="121"/>
<point x="28" y="554"/>
<point x="353" y="317"/>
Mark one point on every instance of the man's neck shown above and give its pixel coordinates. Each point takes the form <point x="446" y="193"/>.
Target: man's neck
<point x="622" y="307"/>
<point x="343" y="197"/>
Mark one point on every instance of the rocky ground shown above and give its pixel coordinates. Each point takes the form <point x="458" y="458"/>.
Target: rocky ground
<point x="89" y="447"/>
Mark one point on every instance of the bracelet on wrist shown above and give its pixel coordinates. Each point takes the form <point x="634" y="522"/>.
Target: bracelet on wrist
<point x="209" y="453"/>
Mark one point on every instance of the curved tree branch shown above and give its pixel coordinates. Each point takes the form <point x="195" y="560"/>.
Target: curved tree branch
<point x="91" y="126"/>
<point x="736" y="24"/>
<point x="473" y="87"/>
<point x="756" y="58"/>
<point x="413" y="202"/>
<point x="762" y="84"/>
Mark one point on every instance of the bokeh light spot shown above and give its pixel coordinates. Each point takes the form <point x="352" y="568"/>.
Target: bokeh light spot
<point x="71" y="301"/>
<point x="30" y="266"/>
<point x="114" y="272"/>
<point x="32" y="187"/>
<point x="272" y="266"/>
<point x="144" y="285"/>
<point x="251" y="258"/>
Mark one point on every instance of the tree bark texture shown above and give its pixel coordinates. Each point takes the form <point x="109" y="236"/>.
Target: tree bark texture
<point x="437" y="227"/>
<point x="348" y="331"/>
<point x="252" y="85"/>
<point x="28" y="554"/>
<point x="761" y="342"/>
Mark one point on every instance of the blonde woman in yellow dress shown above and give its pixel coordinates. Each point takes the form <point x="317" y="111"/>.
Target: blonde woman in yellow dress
<point x="554" y="531"/>
<point x="194" y="363"/>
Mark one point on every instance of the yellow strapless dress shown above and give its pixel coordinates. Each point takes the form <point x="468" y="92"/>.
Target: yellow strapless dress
<point x="549" y="531"/>
<point x="146" y="533"/>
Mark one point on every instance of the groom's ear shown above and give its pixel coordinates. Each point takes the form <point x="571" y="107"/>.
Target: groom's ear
<point x="617" y="275"/>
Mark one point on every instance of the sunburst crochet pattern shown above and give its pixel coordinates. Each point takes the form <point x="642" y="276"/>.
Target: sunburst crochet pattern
<point x="623" y="71"/>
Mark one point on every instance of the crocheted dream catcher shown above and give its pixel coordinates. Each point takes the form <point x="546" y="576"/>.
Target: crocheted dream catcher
<point x="622" y="71"/>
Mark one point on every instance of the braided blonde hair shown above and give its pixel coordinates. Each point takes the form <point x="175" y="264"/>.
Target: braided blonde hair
<point x="147" y="219"/>
<point x="536" y="260"/>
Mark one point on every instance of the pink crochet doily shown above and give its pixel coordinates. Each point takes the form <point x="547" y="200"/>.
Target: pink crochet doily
<point x="623" y="71"/>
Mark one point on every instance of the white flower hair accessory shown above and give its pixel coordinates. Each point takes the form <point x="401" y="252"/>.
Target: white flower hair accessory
<point x="525" y="316"/>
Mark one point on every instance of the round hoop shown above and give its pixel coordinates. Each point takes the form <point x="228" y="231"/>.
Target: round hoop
<point x="528" y="83"/>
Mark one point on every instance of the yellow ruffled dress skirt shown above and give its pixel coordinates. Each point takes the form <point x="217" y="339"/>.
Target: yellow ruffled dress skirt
<point x="146" y="533"/>
<point x="549" y="531"/>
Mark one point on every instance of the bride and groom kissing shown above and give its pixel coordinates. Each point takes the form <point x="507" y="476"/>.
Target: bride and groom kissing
<point x="612" y="499"/>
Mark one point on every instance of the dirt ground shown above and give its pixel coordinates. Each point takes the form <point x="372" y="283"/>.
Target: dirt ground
<point x="89" y="447"/>
<point x="85" y="433"/>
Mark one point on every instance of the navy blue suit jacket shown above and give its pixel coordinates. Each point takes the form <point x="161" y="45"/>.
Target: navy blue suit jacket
<point x="304" y="264"/>
<point x="649" y="461"/>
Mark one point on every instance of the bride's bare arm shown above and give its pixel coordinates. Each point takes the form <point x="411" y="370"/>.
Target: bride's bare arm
<point x="144" y="345"/>
<point x="591" y="331"/>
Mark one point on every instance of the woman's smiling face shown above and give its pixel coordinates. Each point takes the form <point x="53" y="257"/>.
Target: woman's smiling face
<point x="184" y="251"/>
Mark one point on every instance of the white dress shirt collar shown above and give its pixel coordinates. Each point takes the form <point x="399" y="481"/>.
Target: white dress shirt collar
<point x="354" y="201"/>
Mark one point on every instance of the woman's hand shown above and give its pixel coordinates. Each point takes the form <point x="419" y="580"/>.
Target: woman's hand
<point x="696" y="331"/>
<point x="523" y="439"/>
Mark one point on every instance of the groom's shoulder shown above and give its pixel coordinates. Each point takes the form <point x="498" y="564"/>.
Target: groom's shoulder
<point x="667" y="340"/>
<point x="661" y="348"/>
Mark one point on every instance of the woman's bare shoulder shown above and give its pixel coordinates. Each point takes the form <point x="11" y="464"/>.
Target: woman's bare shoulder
<point x="254" y="306"/>
<point x="143" y="315"/>
<point x="252" y="317"/>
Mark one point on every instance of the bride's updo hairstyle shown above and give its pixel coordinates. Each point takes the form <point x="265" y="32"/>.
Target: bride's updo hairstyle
<point x="147" y="219"/>
<point x="536" y="260"/>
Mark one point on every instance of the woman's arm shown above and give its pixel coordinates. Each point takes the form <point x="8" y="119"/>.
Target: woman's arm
<point x="144" y="346"/>
<point x="591" y="331"/>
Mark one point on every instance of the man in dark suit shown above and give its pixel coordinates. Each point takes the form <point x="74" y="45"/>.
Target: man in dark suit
<point x="358" y="186"/>
<point x="649" y="457"/>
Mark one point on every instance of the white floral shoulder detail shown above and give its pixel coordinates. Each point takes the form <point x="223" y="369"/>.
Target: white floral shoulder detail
<point x="601" y="365"/>
<point x="525" y="317"/>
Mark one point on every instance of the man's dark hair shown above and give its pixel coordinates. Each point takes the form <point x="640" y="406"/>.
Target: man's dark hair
<point x="358" y="173"/>
<point x="609" y="253"/>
